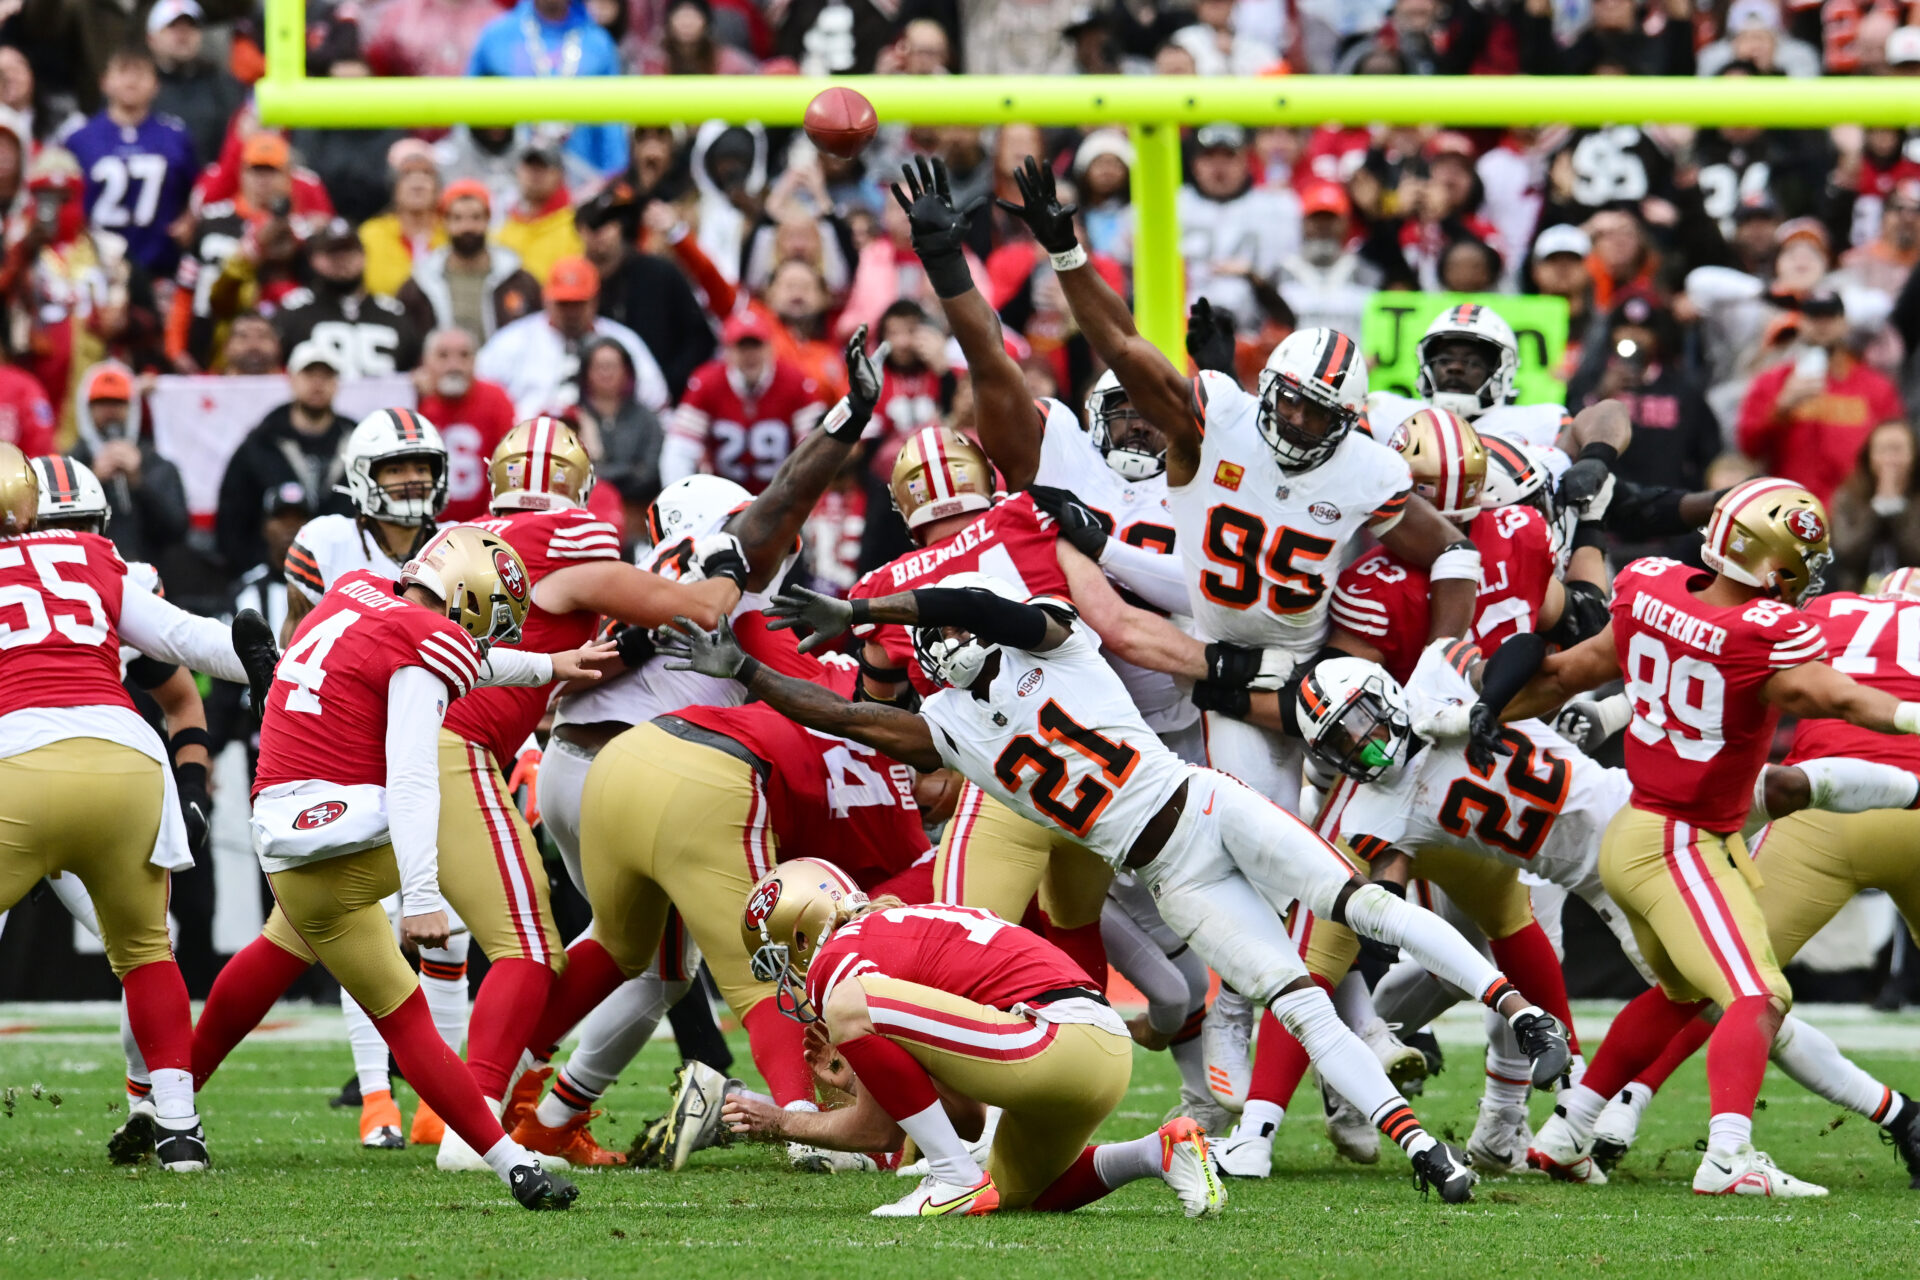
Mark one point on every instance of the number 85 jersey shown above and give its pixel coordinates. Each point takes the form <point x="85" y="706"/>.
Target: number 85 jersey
<point x="1261" y="546"/>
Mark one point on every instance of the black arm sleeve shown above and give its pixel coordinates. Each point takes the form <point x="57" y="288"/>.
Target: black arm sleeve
<point x="1585" y="615"/>
<point x="997" y="621"/>
<point x="1509" y="669"/>
<point x="150" y="673"/>
<point x="1644" y="511"/>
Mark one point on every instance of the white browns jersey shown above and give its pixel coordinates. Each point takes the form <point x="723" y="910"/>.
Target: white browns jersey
<point x="1141" y="517"/>
<point x="328" y="548"/>
<point x="1058" y="739"/>
<point x="1262" y="546"/>
<point x="1543" y="809"/>
<point x="1537" y="425"/>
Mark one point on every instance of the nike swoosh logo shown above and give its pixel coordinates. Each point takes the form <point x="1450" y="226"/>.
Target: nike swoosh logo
<point x="1209" y="809"/>
<point x="1721" y="1167"/>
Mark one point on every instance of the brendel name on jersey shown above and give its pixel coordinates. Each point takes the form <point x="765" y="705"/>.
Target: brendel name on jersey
<point x="1684" y="627"/>
<point x="922" y="563"/>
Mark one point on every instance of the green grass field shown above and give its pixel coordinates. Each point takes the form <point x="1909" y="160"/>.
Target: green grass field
<point x="292" y="1194"/>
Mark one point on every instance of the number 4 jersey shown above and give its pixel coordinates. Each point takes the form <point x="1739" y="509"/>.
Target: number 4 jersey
<point x="1700" y="731"/>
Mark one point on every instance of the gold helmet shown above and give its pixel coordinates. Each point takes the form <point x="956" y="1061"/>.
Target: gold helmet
<point x="940" y="473"/>
<point x="1448" y="461"/>
<point x="1900" y="584"/>
<point x="790" y="914"/>
<point x="540" y="466"/>
<point x="19" y="492"/>
<point x="1771" y="534"/>
<point x="480" y="579"/>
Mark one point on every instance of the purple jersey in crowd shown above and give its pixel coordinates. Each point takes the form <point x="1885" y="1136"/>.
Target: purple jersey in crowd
<point x="138" y="180"/>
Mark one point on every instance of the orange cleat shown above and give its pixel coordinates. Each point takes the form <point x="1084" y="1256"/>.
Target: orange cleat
<point x="523" y="1097"/>
<point x="428" y="1128"/>
<point x="572" y="1141"/>
<point x="380" y="1121"/>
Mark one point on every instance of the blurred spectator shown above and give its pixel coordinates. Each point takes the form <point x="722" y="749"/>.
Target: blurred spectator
<point x="71" y="41"/>
<point x="1886" y="261"/>
<point x="686" y="46"/>
<point x="1103" y="170"/>
<point x="144" y="493"/>
<point x="556" y="38"/>
<point x="1009" y="37"/>
<point x="1807" y="418"/>
<point x="344" y="158"/>
<point x="491" y="157"/>
<point x="46" y="118"/>
<point x="297" y="443"/>
<point x="917" y="381"/>
<point x="1326" y="283"/>
<point x="1753" y="33"/>
<point x="473" y="417"/>
<point x="1216" y="48"/>
<point x="743" y="413"/>
<point x="1787" y="167"/>
<point x="196" y="90"/>
<point x="1875" y="513"/>
<point x="1438" y="206"/>
<point x="837" y="37"/>
<point x="1560" y="270"/>
<point x="139" y="165"/>
<point x="466" y="281"/>
<point x="1616" y="37"/>
<point x="1637" y="360"/>
<point x="1624" y="259"/>
<point x="410" y="229"/>
<point x="1095" y="50"/>
<point x="15" y="144"/>
<point x="252" y="347"/>
<point x="643" y="291"/>
<point x="924" y="49"/>
<point x="1468" y="265"/>
<point x="799" y="221"/>
<point x="537" y="357"/>
<point x="26" y="415"/>
<point x="539" y="223"/>
<point x="1426" y="40"/>
<point x="621" y="435"/>
<point x="364" y="334"/>
<point x="798" y="299"/>
<point x="1232" y="232"/>
<point x="426" y="37"/>
<point x="729" y="169"/>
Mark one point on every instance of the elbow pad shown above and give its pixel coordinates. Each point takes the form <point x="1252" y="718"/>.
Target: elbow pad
<point x="1585" y="615"/>
<point x="1457" y="562"/>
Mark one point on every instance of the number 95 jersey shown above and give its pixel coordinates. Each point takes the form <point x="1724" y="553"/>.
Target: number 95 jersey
<point x="1262" y="545"/>
<point x="1700" y="731"/>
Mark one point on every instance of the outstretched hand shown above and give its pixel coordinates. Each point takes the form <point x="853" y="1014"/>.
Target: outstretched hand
<point x="866" y="374"/>
<point x="819" y="618"/>
<point x="711" y="653"/>
<point x="1484" y="739"/>
<point x="1210" y="337"/>
<point x="1050" y="221"/>
<point x="1078" y="523"/>
<point x="939" y="229"/>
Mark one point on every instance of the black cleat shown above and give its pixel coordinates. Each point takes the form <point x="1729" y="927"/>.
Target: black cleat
<point x="182" y="1150"/>
<point x="1544" y="1040"/>
<point x="132" y="1142"/>
<point x="349" y="1095"/>
<point x="1445" y="1170"/>
<point x="1904" y="1136"/>
<point x="253" y="643"/>
<point x="649" y="1145"/>
<point x="1425" y="1041"/>
<point x="537" y="1189"/>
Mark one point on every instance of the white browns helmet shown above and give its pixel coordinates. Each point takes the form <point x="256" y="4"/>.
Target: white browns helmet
<point x="1476" y="323"/>
<point x="939" y="473"/>
<point x="70" y="495"/>
<point x="791" y="912"/>
<point x="1354" y="717"/>
<point x="540" y="465"/>
<point x="957" y="660"/>
<point x="1319" y="373"/>
<point x="692" y="507"/>
<point x="1448" y="462"/>
<point x="384" y="436"/>
<point x="1900" y="584"/>
<point x="481" y="581"/>
<point x="1771" y="534"/>
<point x="1518" y="476"/>
<point x="1119" y="432"/>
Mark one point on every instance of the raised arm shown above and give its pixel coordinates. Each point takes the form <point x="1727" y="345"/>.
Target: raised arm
<point x="1581" y="669"/>
<point x="992" y="618"/>
<point x="163" y="630"/>
<point x="1814" y="690"/>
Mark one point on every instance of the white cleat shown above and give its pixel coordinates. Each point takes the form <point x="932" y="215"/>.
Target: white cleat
<point x="1747" y="1172"/>
<point x="935" y="1199"/>
<point x="1556" y="1152"/>
<point x="1348" y="1129"/>
<point x="1226" y="1042"/>
<point x="1500" y="1139"/>
<point x="693" y="1121"/>
<point x="456" y="1156"/>
<point x="1244" y="1155"/>
<point x="1187" y="1165"/>
<point x="1403" y="1064"/>
<point x="1617" y="1125"/>
<point x="820" y="1160"/>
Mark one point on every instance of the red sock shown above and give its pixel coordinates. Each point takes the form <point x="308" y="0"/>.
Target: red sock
<point x="1737" y="1054"/>
<point x="1279" y="1060"/>
<point x="778" y="1045"/>
<point x="436" y="1074"/>
<point x="1637" y="1037"/>
<point x="246" y="988"/>
<point x="1527" y="957"/>
<point x="591" y="977"/>
<point x="1084" y="947"/>
<point x="1678" y="1050"/>
<point x="1077" y="1186"/>
<point x="160" y="1016"/>
<point x="511" y="998"/>
<point x="893" y="1076"/>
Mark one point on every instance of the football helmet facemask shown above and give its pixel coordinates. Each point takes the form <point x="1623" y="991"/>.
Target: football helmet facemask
<point x="791" y="912"/>
<point x="481" y="581"/>
<point x="1482" y="326"/>
<point x="388" y="435"/>
<point x="1312" y="392"/>
<point x="71" y="496"/>
<point x="1134" y="449"/>
<point x="1354" y="717"/>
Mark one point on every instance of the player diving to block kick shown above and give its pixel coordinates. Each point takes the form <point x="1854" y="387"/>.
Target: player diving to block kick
<point x="1032" y="714"/>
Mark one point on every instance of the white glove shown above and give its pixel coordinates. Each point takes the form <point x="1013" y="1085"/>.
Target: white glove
<point x="1906" y="717"/>
<point x="1596" y="508"/>
<point x="1276" y="668"/>
<point x="1588" y="722"/>
<point x="1448" y="724"/>
<point x="719" y="555"/>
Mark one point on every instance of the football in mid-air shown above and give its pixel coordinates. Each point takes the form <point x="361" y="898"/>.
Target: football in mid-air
<point x="841" y="122"/>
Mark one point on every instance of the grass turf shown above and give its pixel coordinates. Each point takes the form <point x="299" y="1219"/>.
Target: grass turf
<point x="293" y="1194"/>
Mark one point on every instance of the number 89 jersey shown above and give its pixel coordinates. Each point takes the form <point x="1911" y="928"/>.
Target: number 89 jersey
<point x="1262" y="545"/>
<point x="1701" y="731"/>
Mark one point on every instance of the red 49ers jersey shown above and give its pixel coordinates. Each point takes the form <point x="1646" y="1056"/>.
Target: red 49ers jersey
<point x="963" y="951"/>
<point x="60" y="593"/>
<point x="500" y="719"/>
<point x="326" y="718"/>
<point x="1700" y="729"/>
<point x="745" y="438"/>
<point x="830" y="798"/>
<point x="1877" y="642"/>
<point x="1384" y="599"/>
<point x="1012" y="541"/>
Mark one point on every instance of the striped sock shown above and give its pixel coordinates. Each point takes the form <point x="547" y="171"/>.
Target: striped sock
<point x="1397" y="1121"/>
<point x="137" y="1092"/>
<point x="567" y="1099"/>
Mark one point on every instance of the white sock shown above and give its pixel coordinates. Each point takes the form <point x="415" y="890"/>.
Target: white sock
<point x="1375" y="913"/>
<point x="447" y="997"/>
<point x="1637" y="1096"/>
<point x="613" y="1035"/>
<point x="1261" y="1119"/>
<point x="801" y="1104"/>
<point x="1118" y="1163"/>
<point x="1509" y="1071"/>
<point x="1841" y="785"/>
<point x="369" y="1050"/>
<point x="1814" y="1062"/>
<point x="136" y="1061"/>
<point x="1353" y="1002"/>
<point x="1582" y="1107"/>
<point x="506" y="1155"/>
<point x="947" y="1156"/>
<point x="1344" y="1061"/>
<point x="1728" y="1131"/>
<point x="173" y="1096"/>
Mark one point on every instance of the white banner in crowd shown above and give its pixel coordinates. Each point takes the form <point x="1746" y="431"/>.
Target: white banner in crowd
<point x="199" y="421"/>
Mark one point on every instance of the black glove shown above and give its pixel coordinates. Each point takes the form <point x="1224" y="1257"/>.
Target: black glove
<point x="1587" y="479"/>
<point x="1484" y="740"/>
<point x="634" y="645"/>
<point x="819" y="619"/>
<point x="1235" y="701"/>
<point x="866" y="376"/>
<point x="1210" y="337"/>
<point x="196" y="804"/>
<point x="711" y="653"/>
<point x="1079" y="524"/>
<point x="253" y="644"/>
<point x="1050" y="221"/>
<point x="939" y="229"/>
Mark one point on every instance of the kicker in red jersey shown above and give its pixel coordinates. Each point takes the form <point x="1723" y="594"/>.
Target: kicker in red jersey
<point x="963" y="951"/>
<point x="60" y="594"/>
<point x="1877" y="642"/>
<point x="1701" y="731"/>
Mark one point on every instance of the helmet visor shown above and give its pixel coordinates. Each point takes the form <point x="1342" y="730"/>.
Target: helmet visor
<point x="1365" y="739"/>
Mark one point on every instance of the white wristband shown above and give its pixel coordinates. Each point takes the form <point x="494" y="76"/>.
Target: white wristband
<point x="1906" y="717"/>
<point x="1074" y="257"/>
<point x="1457" y="562"/>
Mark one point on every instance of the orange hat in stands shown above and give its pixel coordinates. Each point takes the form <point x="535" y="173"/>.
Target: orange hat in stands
<point x="110" y="383"/>
<point x="573" y="280"/>
<point x="266" y="151"/>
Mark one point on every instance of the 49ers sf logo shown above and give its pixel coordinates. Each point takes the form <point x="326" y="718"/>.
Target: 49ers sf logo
<point x="1807" y="525"/>
<point x="512" y="576"/>
<point x="320" y="815"/>
<point x="762" y="903"/>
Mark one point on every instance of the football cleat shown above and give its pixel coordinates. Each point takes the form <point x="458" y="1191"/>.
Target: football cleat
<point x="936" y="1199"/>
<point x="1904" y="1136"/>
<point x="523" y="1097"/>
<point x="820" y="1160"/>
<point x="981" y="1149"/>
<point x="1351" y="1133"/>
<point x="1404" y="1065"/>
<point x="133" y="1141"/>
<point x="1226" y="1042"/>
<point x="649" y="1145"/>
<point x="693" y="1121"/>
<point x="380" y="1122"/>
<point x="1187" y="1165"/>
<point x="1558" y="1153"/>
<point x="1244" y="1155"/>
<point x="572" y="1141"/>
<point x="1544" y="1040"/>
<point x="1210" y="1115"/>
<point x="1616" y="1126"/>
<point x="537" y="1189"/>
<point x="349" y="1095"/>
<point x="456" y="1156"/>
<point x="428" y="1130"/>
<point x="181" y="1150"/>
<point x="1501" y="1136"/>
<point x="1747" y="1172"/>
<point x="1429" y="1047"/>
<point x="1445" y="1170"/>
